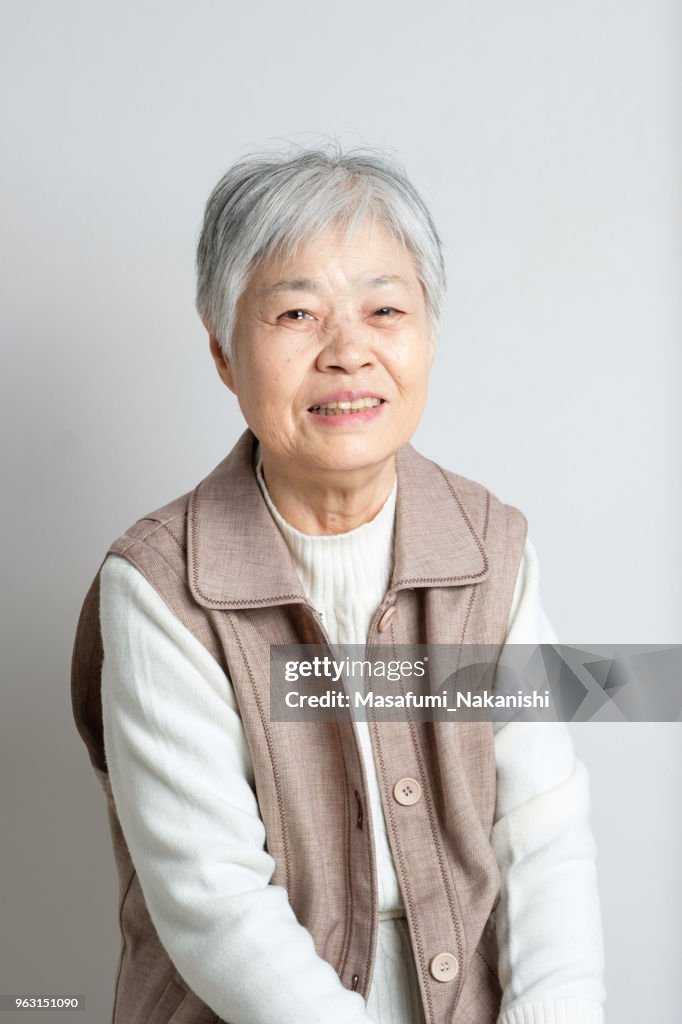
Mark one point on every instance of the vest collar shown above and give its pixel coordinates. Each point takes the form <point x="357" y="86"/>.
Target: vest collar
<point x="237" y="557"/>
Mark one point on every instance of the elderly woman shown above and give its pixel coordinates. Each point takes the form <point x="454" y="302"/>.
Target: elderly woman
<point x="287" y="872"/>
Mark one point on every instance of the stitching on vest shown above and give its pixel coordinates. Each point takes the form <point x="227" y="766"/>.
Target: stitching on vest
<point x="254" y="602"/>
<point x="222" y="601"/>
<point x="487" y="514"/>
<point x="473" y="593"/>
<point x="465" y="576"/>
<point x="268" y="740"/>
<point x="488" y="965"/>
<point x="444" y="867"/>
<point x="464" y="512"/>
<point x="159" y="524"/>
<point x="399" y="854"/>
<point x="183" y="581"/>
<point x="246" y="603"/>
<point x="472" y="598"/>
<point x="345" y="949"/>
<point x="172" y="536"/>
<point x="165" y="522"/>
<point x="438" y="579"/>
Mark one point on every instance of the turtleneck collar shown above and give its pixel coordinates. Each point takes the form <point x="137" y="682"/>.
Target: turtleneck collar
<point x="344" y="575"/>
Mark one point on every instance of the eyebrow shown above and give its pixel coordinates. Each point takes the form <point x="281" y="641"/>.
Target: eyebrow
<point x="311" y="284"/>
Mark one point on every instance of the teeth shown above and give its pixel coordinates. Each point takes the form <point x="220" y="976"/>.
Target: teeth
<point x="338" y="408"/>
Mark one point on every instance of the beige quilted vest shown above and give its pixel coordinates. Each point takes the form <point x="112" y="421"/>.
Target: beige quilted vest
<point x="219" y="561"/>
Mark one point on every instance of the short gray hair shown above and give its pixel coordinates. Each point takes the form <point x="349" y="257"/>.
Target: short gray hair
<point x="268" y="204"/>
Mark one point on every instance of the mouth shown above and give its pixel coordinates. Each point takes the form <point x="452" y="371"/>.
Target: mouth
<point x="346" y="407"/>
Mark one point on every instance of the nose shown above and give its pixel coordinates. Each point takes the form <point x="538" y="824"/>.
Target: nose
<point x="346" y="349"/>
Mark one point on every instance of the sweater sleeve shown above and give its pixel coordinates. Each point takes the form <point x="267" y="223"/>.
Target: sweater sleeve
<point x="548" y="916"/>
<point x="182" y="781"/>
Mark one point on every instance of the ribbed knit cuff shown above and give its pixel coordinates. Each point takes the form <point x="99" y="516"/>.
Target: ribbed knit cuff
<point x="554" y="1011"/>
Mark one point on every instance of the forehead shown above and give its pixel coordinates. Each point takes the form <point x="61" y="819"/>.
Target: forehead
<point x="368" y="258"/>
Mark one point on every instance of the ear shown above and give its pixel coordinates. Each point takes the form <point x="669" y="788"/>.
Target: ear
<point x="222" y="362"/>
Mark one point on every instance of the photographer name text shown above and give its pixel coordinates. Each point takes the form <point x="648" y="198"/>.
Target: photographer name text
<point x="410" y="699"/>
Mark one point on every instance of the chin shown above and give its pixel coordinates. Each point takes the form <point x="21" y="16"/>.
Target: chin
<point x="357" y="455"/>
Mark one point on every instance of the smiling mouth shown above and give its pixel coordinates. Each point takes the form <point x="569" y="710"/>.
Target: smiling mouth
<point x="344" y="408"/>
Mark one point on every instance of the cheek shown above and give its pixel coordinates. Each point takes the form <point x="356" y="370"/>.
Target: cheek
<point x="273" y="394"/>
<point x="411" y="373"/>
<point x="262" y="382"/>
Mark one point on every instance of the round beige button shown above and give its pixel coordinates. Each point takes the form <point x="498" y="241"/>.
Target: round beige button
<point x="385" y="620"/>
<point x="407" y="791"/>
<point x="444" y="967"/>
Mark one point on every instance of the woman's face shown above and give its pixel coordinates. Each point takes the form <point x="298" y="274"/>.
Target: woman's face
<point x="343" y="321"/>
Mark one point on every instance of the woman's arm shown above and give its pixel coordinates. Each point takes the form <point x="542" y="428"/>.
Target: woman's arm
<point x="548" y="917"/>
<point x="182" y="781"/>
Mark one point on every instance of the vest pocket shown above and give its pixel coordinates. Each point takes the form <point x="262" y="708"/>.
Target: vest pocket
<point x="170" y="1000"/>
<point x="178" y="1005"/>
<point x="481" y="994"/>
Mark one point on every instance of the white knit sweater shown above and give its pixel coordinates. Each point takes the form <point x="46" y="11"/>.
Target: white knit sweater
<point x="182" y="780"/>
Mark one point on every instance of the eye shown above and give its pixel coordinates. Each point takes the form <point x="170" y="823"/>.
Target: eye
<point x="385" y="311"/>
<point x="297" y="314"/>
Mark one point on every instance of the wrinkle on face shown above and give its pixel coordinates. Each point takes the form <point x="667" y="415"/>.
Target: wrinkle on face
<point x="341" y="315"/>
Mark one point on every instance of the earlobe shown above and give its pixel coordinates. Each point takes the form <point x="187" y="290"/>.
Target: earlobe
<point x="222" y="363"/>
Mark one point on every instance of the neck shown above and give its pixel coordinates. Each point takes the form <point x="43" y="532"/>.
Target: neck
<point x="328" y="501"/>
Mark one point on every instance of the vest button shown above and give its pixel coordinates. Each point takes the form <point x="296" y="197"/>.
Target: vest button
<point x="443" y="967"/>
<point x="407" y="791"/>
<point x="385" y="620"/>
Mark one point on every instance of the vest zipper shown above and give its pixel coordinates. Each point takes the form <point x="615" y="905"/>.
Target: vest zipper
<point x="359" y="821"/>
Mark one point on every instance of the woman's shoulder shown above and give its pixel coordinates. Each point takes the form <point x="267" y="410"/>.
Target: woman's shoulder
<point x="145" y="575"/>
<point x="155" y="545"/>
<point x="165" y="529"/>
<point x="170" y="517"/>
<point x="477" y="502"/>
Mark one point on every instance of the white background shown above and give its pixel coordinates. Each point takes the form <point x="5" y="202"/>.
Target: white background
<point x="545" y="138"/>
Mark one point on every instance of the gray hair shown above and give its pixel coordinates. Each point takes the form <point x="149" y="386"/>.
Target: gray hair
<point x="268" y="204"/>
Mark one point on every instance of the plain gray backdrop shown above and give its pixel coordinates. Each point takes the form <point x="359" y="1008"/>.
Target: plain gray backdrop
<point x="545" y="138"/>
